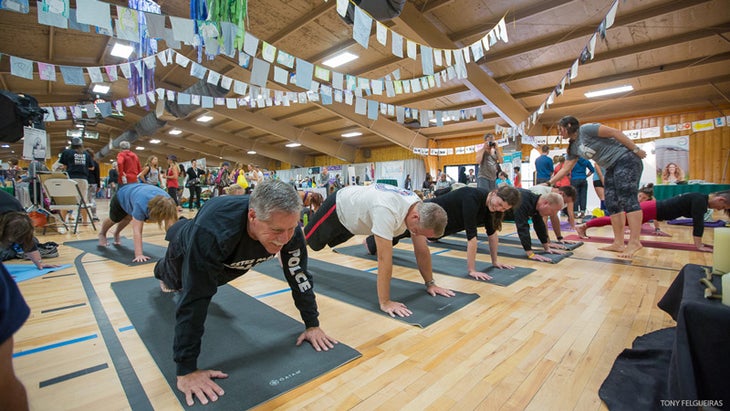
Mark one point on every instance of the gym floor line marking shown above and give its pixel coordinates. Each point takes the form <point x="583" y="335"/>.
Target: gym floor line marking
<point x="54" y="345"/>
<point x="79" y="373"/>
<point x="50" y="310"/>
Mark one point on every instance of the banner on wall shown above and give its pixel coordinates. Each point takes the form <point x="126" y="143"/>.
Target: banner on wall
<point x="672" y="159"/>
<point x="35" y="144"/>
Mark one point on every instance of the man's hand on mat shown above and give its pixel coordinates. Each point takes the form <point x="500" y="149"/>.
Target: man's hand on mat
<point x="503" y="266"/>
<point x="200" y="384"/>
<point x="435" y="289"/>
<point x="140" y="258"/>
<point x="319" y="340"/>
<point x="395" y="308"/>
<point x="538" y="257"/>
<point x="480" y="275"/>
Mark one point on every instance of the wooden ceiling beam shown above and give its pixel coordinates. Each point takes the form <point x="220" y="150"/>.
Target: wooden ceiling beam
<point x="237" y="141"/>
<point x="478" y="81"/>
<point x="300" y="135"/>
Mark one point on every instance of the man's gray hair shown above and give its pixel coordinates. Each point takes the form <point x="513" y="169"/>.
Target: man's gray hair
<point x="272" y="196"/>
<point x="124" y="145"/>
<point x="554" y="199"/>
<point x="432" y="217"/>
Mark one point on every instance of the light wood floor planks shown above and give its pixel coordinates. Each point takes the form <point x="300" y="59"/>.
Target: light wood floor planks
<point x="546" y="342"/>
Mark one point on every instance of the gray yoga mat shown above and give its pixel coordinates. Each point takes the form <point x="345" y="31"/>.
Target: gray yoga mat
<point x="123" y="253"/>
<point x="250" y="341"/>
<point x="514" y="240"/>
<point x="503" y="250"/>
<point x="455" y="267"/>
<point x="358" y="288"/>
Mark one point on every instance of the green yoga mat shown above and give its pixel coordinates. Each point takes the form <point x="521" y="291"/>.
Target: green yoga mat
<point x="250" y="341"/>
<point x="123" y="253"/>
<point x="514" y="240"/>
<point x="452" y="266"/>
<point x="358" y="288"/>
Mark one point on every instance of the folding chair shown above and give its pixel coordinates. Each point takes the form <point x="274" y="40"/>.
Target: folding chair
<point x="65" y="195"/>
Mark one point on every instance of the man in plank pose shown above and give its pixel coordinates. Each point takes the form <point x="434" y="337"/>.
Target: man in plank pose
<point x="384" y="211"/>
<point x="228" y="237"/>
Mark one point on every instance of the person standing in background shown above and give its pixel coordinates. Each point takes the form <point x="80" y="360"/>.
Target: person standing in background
<point x="543" y="166"/>
<point x="94" y="183"/>
<point x="150" y="174"/>
<point x="408" y="184"/>
<point x="77" y="163"/>
<point x="518" y="178"/>
<point x="127" y="164"/>
<point x="598" y="186"/>
<point x="172" y="181"/>
<point x="471" y="178"/>
<point x="578" y="180"/>
<point x="488" y="159"/>
<point x="113" y="180"/>
<point x="193" y="184"/>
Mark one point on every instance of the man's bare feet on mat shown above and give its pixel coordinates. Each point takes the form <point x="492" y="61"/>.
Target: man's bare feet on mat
<point x="581" y="230"/>
<point x="103" y="241"/>
<point x="117" y="239"/>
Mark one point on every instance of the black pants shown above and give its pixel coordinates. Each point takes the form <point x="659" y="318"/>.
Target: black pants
<point x="169" y="268"/>
<point x="325" y="228"/>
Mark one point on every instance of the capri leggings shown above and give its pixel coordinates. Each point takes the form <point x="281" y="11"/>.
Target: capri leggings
<point x="622" y="184"/>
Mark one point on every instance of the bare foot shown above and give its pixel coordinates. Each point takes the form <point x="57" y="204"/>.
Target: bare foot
<point x="117" y="238"/>
<point x="581" y="230"/>
<point x="631" y="249"/>
<point x="613" y="247"/>
<point x="166" y="289"/>
<point x="102" y="240"/>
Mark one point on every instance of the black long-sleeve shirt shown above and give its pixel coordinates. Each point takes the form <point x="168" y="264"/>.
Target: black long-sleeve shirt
<point x="467" y="210"/>
<point x="215" y="248"/>
<point x="690" y="205"/>
<point x="526" y="210"/>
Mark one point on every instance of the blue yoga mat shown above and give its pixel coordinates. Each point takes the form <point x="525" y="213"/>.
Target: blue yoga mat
<point x="23" y="272"/>
<point x="123" y="253"/>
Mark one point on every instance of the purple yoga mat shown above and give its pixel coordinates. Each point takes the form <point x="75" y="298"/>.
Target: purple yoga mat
<point x="688" y="221"/>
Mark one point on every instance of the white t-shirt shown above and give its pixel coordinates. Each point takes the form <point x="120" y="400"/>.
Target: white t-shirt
<point x="378" y="209"/>
<point x="541" y="189"/>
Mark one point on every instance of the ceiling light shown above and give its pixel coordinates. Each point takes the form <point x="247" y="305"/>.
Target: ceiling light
<point x="293" y="145"/>
<point x="339" y="59"/>
<point x="139" y="148"/>
<point x="154" y="141"/>
<point x="101" y="88"/>
<point x="605" y="92"/>
<point x="352" y="134"/>
<point x="251" y="152"/>
<point x="204" y="118"/>
<point x="5" y="146"/>
<point x="174" y="132"/>
<point x="122" y="50"/>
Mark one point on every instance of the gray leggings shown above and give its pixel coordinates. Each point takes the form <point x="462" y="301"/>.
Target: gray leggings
<point x="622" y="184"/>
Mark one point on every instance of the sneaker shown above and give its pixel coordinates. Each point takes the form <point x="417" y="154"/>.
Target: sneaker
<point x="48" y="253"/>
<point x="95" y="219"/>
<point x="61" y="230"/>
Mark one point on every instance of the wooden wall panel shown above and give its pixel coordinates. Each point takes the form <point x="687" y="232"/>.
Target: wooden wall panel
<point x="709" y="150"/>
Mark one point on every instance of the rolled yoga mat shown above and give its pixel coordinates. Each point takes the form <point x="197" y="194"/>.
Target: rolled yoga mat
<point x="359" y="288"/>
<point x="123" y="253"/>
<point x="452" y="266"/>
<point x="250" y="341"/>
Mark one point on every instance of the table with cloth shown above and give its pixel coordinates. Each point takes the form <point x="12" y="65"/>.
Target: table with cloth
<point x="688" y="363"/>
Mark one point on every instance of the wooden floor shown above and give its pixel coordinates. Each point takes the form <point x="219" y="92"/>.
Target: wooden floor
<point x="546" y="342"/>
